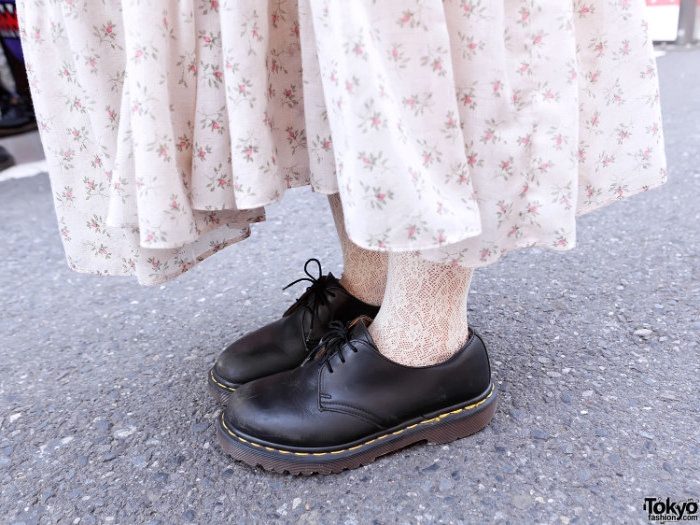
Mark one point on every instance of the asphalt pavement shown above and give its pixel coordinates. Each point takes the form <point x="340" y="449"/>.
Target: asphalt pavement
<point x="105" y="416"/>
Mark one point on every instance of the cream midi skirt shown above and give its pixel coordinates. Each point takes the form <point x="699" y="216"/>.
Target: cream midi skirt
<point x="461" y="129"/>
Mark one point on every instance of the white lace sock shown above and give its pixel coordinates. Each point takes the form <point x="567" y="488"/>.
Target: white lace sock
<point x="423" y="318"/>
<point x="364" y="271"/>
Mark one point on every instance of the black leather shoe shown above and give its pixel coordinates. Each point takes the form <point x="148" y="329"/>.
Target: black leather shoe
<point x="285" y="343"/>
<point x="347" y="405"/>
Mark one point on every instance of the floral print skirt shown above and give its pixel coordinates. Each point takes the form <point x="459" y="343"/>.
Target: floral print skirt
<point x="461" y="129"/>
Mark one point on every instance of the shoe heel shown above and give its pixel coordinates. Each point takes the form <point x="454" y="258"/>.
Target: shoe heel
<point x="465" y="423"/>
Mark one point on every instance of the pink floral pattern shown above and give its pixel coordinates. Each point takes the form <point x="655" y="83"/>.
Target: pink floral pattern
<point x="462" y="129"/>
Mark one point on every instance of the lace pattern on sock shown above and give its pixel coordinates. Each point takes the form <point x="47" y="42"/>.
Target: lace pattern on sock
<point x="364" y="271"/>
<point x="423" y="318"/>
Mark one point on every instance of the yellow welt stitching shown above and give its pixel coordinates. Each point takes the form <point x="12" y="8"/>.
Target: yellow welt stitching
<point x="218" y="383"/>
<point x="357" y="447"/>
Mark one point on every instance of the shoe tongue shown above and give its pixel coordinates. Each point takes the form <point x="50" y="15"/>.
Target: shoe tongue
<point x="358" y="330"/>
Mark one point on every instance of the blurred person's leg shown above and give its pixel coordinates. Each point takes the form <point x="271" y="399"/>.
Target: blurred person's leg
<point x="17" y="111"/>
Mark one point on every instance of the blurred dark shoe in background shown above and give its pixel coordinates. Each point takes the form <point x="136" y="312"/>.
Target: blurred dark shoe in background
<point x="6" y="160"/>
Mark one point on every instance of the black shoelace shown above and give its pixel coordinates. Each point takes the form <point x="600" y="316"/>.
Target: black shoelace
<point x="336" y="339"/>
<point x="315" y="296"/>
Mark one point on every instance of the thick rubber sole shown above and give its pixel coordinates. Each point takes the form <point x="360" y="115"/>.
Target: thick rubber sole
<point x="219" y="389"/>
<point x="444" y="427"/>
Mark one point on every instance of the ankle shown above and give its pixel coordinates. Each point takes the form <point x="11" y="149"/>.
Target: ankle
<point x="366" y="290"/>
<point x="399" y="345"/>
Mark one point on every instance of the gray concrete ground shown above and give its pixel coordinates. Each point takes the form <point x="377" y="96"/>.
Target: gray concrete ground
<point x="105" y="417"/>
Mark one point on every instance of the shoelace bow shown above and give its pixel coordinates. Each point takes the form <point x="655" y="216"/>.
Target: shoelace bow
<point x="332" y="343"/>
<point x="315" y="296"/>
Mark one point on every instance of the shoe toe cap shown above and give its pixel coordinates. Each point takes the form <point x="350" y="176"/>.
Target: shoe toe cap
<point x="258" y="411"/>
<point x="255" y="355"/>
